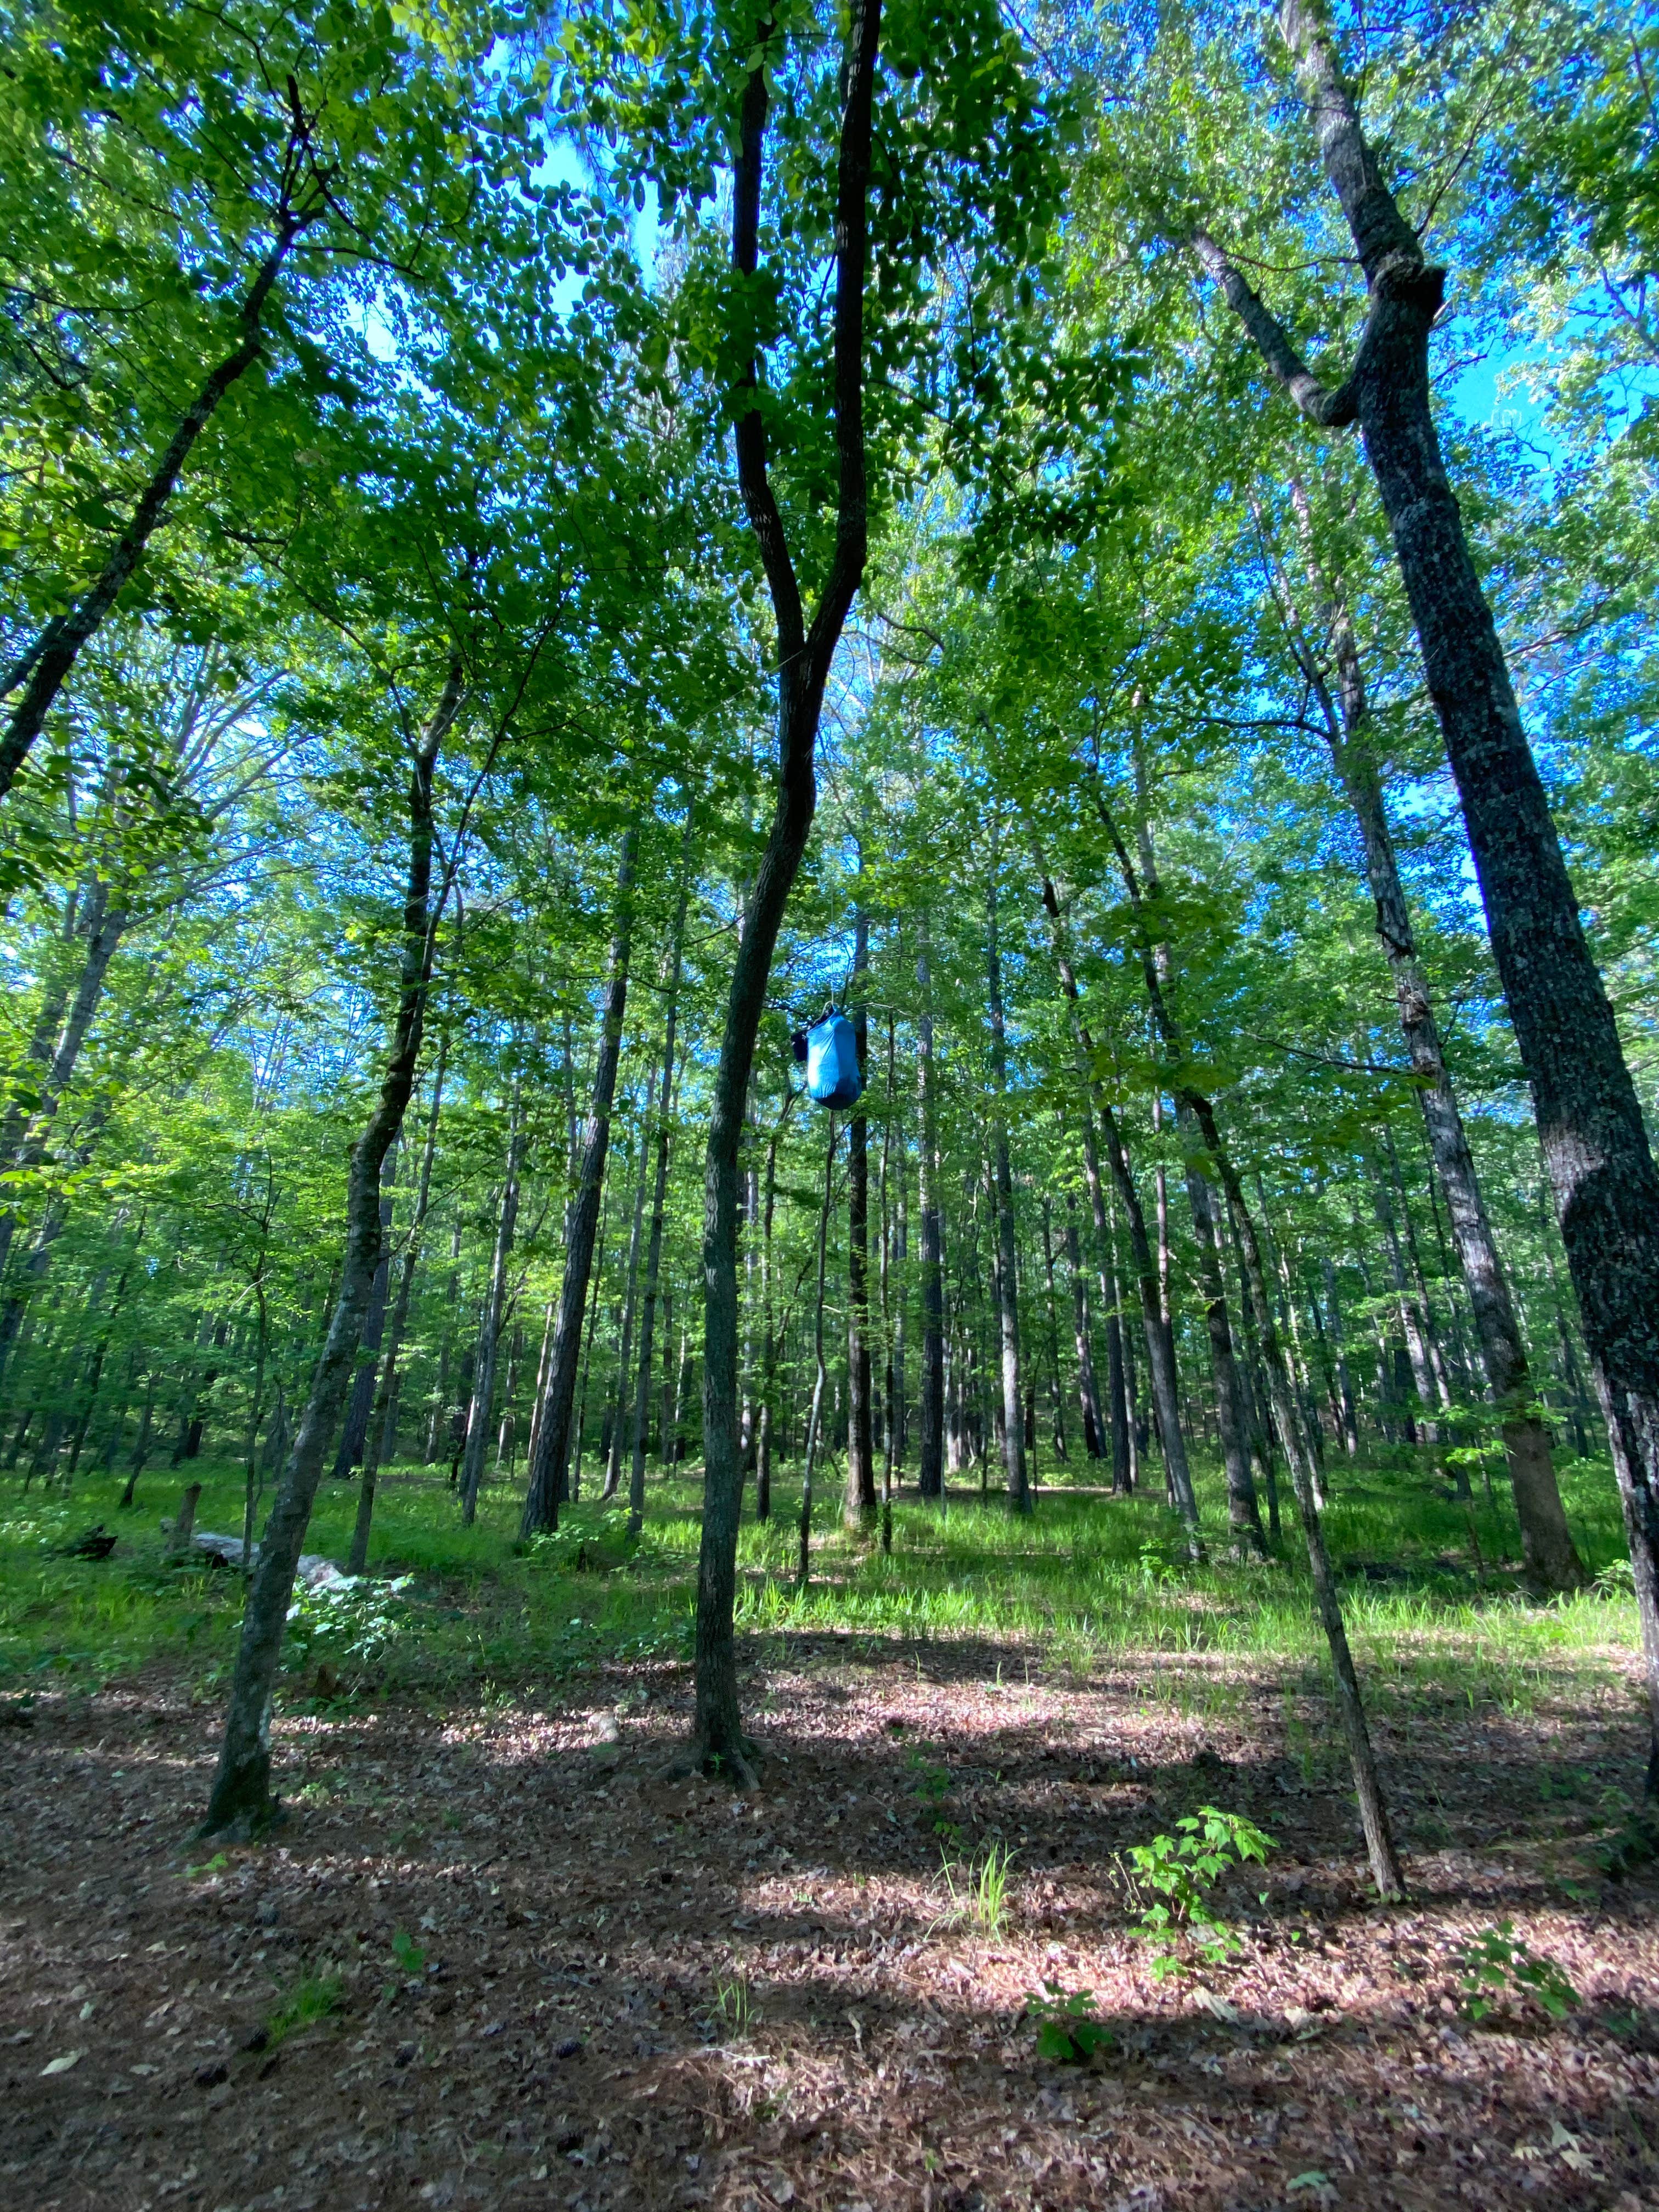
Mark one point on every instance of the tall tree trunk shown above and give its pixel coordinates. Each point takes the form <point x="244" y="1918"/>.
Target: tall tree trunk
<point x="48" y="663"/>
<point x="659" y="1195"/>
<point x="354" y="1435"/>
<point x="440" y="1406"/>
<point x="805" y="656"/>
<point x="892" y="1321"/>
<point x="1379" y="1841"/>
<point x="1056" y="1400"/>
<point x="106" y="924"/>
<point x="1007" y="1289"/>
<point x="550" y="1459"/>
<point x="1094" y="1428"/>
<point x="1231" y="1418"/>
<point x="1160" y="1348"/>
<point x="1547" y="1550"/>
<point x="1373" y="1808"/>
<point x="1411" y="1320"/>
<point x="384" y="1407"/>
<point x="630" y="1297"/>
<point x="1122" y="1430"/>
<point x="858" y="1502"/>
<point x="101" y="1350"/>
<point x="1344" y="1382"/>
<point x="930" y="1473"/>
<point x="814" y="1419"/>
<point x="241" y="1789"/>
<point x="1589" y="1122"/>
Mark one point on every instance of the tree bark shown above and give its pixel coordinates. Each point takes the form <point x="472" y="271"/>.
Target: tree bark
<point x="378" y="1444"/>
<point x="805" y="657"/>
<point x="1242" y="1511"/>
<point x="550" y="1460"/>
<point x="54" y="652"/>
<point x="1094" y="1428"/>
<point x="1007" y="1289"/>
<point x="1601" y="1170"/>
<point x="659" y="1197"/>
<point x="495" y="1315"/>
<point x="1548" y="1553"/>
<point x="1333" y="1327"/>
<point x="814" y="1419"/>
<point x="1160" y="1350"/>
<point x="1056" y="1398"/>
<point x="354" y="1435"/>
<point x="858" y="1502"/>
<point x="241" y="1797"/>
<point x="930" y="1468"/>
<point x="106" y="924"/>
<point x="630" y="1298"/>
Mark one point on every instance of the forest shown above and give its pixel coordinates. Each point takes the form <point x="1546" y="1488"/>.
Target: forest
<point x="828" y="1246"/>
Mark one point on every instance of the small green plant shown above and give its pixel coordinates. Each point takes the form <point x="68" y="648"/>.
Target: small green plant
<point x="411" y="1960"/>
<point x="979" y="1888"/>
<point x="309" y="2000"/>
<point x="932" y="1786"/>
<point x="734" y="2006"/>
<point x="1172" y="1879"/>
<point x="216" y="1864"/>
<point x="583" y="1541"/>
<point x="349" y="1624"/>
<point x="1067" y="2031"/>
<point x="1156" y="1567"/>
<point x="1497" y="1964"/>
<point x="1632" y="1843"/>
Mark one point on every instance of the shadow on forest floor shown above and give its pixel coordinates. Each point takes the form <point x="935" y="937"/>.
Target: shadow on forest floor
<point x="634" y="1995"/>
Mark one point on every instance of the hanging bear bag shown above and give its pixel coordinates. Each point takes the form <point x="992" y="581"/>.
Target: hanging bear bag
<point x="832" y="1061"/>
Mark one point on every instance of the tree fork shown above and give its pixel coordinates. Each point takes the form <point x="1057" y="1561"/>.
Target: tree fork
<point x="803" y="668"/>
<point x="1601" y="1170"/>
<point x="241" y="1800"/>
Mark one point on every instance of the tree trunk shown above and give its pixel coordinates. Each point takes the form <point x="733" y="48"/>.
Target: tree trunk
<point x="659" y="1196"/>
<point x="930" y="1473"/>
<point x="1094" y="1428"/>
<point x="630" y="1297"/>
<point x="357" y="1562"/>
<point x="805" y="656"/>
<point x="241" y="1797"/>
<point x="354" y="1436"/>
<point x="1589" y="1122"/>
<point x="814" y="1419"/>
<point x="494" y="1313"/>
<point x="1160" y="1348"/>
<point x="891" y="1323"/>
<point x="1008" y="1288"/>
<point x="1122" y="1432"/>
<point x="1242" y="1511"/>
<point x="858" y="1502"/>
<point x="552" y="1456"/>
<point x="769" y="1318"/>
<point x="1344" y="1382"/>
<point x="1373" y="1808"/>
<point x="441" y="1406"/>
<point x="1056" y="1400"/>
<point x="1547" y="1549"/>
<point x="105" y="925"/>
<point x="50" y="660"/>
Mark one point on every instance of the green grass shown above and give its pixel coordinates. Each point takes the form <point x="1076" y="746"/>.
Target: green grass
<point x="1089" y="1583"/>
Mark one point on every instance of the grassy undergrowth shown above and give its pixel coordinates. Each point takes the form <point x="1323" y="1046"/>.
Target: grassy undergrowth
<point x="1090" y="1582"/>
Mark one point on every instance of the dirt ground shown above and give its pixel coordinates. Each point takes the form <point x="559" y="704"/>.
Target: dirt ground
<point x="642" y="1995"/>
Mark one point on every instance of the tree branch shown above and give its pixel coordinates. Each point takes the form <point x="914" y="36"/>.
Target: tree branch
<point x="1332" y="411"/>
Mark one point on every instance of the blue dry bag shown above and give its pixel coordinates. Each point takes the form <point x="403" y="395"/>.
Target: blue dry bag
<point x="832" y="1061"/>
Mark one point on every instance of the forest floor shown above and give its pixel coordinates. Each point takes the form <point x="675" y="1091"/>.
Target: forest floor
<point x="493" y="1957"/>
